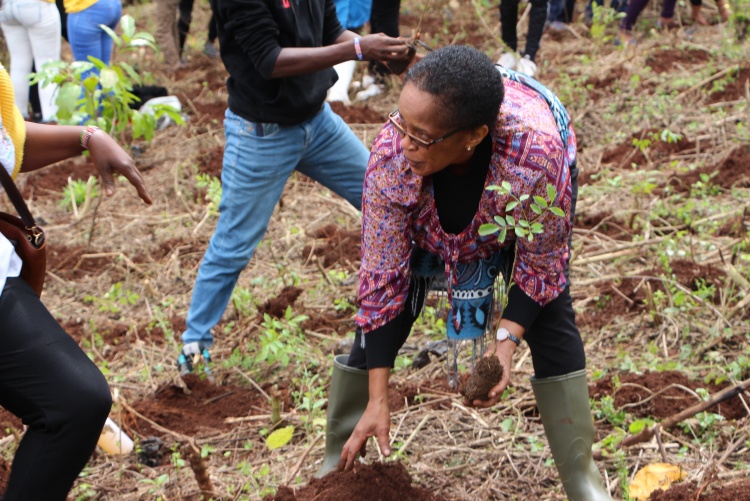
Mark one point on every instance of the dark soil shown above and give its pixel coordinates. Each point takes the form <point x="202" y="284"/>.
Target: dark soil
<point x="365" y="482"/>
<point x="357" y="113"/>
<point x="693" y="491"/>
<point x="8" y="423"/>
<point x="4" y="474"/>
<point x="201" y="409"/>
<point x="634" y="391"/>
<point x="52" y="180"/>
<point x="276" y="306"/>
<point x="734" y="90"/>
<point x="487" y="373"/>
<point x="335" y="246"/>
<point x="676" y="59"/>
<point x="612" y="296"/>
<point x="658" y="151"/>
<point x="730" y="172"/>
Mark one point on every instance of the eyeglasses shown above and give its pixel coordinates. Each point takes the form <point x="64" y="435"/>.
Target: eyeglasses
<point x="422" y="143"/>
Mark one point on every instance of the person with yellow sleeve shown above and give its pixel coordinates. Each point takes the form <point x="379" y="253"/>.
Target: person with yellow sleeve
<point x="45" y="377"/>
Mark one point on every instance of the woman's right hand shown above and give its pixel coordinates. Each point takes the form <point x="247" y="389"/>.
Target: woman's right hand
<point x="375" y="422"/>
<point x="110" y="159"/>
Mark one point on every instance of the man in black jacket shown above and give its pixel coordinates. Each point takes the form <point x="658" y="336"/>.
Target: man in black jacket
<point x="279" y="55"/>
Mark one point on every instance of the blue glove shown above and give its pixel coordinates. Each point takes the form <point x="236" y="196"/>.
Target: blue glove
<point x="191" y="355"/>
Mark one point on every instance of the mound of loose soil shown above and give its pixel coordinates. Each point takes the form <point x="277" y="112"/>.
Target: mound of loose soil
<point x="202" y="409"/>
<point x="4" y="474"/>
<point x="334" y="246"/>
<point x="377" y="481"/>
<point x="487" y="373"/>
<point x="276" y="306"/>
<point x="635" y="392"/>
<point x="693" y="491"/>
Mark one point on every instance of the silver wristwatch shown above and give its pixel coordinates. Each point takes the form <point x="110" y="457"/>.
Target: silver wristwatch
<point x="503" y="334"/>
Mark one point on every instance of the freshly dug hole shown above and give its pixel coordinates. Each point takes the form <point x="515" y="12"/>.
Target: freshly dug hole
<point x="487" y="373"/>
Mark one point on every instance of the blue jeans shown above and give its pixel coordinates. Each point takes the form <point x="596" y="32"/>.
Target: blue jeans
<point x="86" y="37"/>
<point x="560" y="10"/>
<point x="258" y="159"/>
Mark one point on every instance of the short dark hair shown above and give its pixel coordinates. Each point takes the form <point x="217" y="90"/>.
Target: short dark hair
<point x="464" y="81"/>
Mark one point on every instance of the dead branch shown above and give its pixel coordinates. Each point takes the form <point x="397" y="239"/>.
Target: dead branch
<point x="193" y="454"/>
<point x="672" y="420"/>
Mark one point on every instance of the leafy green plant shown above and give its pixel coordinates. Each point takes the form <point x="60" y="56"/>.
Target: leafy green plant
<point x="525" y="226"/>
<point x="79" y="193"/>
<point x="281" y="338"/>
<point x="212" y="185"/>
<point x="92" y="92"/>
<point x="114" y="298"/>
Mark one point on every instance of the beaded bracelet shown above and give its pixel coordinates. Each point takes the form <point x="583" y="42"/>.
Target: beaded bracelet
<point x="86" y="135"/>
<point x="358" y="49"/>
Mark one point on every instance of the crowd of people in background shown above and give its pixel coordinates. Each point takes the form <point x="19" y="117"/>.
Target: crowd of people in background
<point x="34" y="30"/>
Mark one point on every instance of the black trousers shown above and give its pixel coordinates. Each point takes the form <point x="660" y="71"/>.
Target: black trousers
<point x="186" y="16"/>
<point x="384" y="18"/>
<point x="50" y="383"/>
<point x="509" y="18"/>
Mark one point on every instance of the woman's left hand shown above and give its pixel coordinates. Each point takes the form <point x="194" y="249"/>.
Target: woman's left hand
<point x="504" y="352"/>
<point x="110" y="159"/>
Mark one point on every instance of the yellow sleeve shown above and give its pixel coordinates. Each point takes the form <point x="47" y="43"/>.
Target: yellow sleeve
<point x="12" y="118"/>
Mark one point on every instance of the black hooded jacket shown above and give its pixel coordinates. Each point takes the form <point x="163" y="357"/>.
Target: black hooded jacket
<point x="251" y="35"/>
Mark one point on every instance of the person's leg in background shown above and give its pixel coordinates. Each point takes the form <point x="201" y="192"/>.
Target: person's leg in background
<point x="60" y="4"/>
<point x="209" y="48"/>
<point x="46" y="44"/>
<point x="508" y="21"/>
<point x="384" y="18"/>
<point x="632" y="12"/>
<point x="258" y="160"/>
<point x="334" y="156"/>
<point x="50" y="383"/>
<point x="14" y="18"/>
<point x="166" y="32"/>
<point x="537" y="18"/>
<point x="184" y="18"/>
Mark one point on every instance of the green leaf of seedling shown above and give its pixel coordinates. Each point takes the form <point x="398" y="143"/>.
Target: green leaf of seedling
<point x="523" y="197"/>
<point x="511" y="205"/>
<point x="499" y="220"/>
<point x="557" y="211"/>
<point x="494" y="187"/>
<point x="488" y="229"/>
<point x="536" y="209"/>
<point x="541" y="202"/>
<point x="279" y="438"/>
<point x="523" y="223"/>
<point x="521" y="232"/>
<point x="507" y="187"/>
<point x="503" y="234"/>
<point x="537" y="228"/>
<point x="127" y="24"/>
<point x="551" y="193"/>
<point x="108" y="79"/>
<point x="509" y="219"/>
<point x="116" y="39"/>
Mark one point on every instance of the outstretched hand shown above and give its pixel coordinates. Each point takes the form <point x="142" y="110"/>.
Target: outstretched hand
<point x="375" y="422"/>
<point x="110" y="159"/>
<point x="504" y="352"/>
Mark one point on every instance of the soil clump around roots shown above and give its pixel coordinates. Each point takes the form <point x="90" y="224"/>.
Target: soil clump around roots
<point x="486" y="375"/>
<point x="365" y="482"/>
<point x="693" y="491"/>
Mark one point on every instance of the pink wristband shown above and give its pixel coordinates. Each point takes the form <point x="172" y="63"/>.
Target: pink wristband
<point x="358" y="49"/>
<point x="86" y="135"/>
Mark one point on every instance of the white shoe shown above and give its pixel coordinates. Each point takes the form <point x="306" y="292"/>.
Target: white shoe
<point x="371" y="91"/>
<point x="526" y="66"/>
<point x="340" y="90"/>
<point x="508" y="60"/>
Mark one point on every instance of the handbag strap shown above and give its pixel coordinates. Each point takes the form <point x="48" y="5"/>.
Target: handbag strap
<point x="15" y="196"/>
<point x="36" y="235"/>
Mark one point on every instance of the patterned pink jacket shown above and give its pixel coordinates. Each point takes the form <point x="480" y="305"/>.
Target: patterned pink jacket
<point x="398" y="208"/>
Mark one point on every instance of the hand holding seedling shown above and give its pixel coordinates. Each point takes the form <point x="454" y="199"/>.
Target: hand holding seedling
<point x="504" y="352"/>
<point x="381" y="47"/>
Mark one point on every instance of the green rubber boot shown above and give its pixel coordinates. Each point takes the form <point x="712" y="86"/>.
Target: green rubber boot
<point x="347" y="400"/>
<point x="563" y="403"/>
